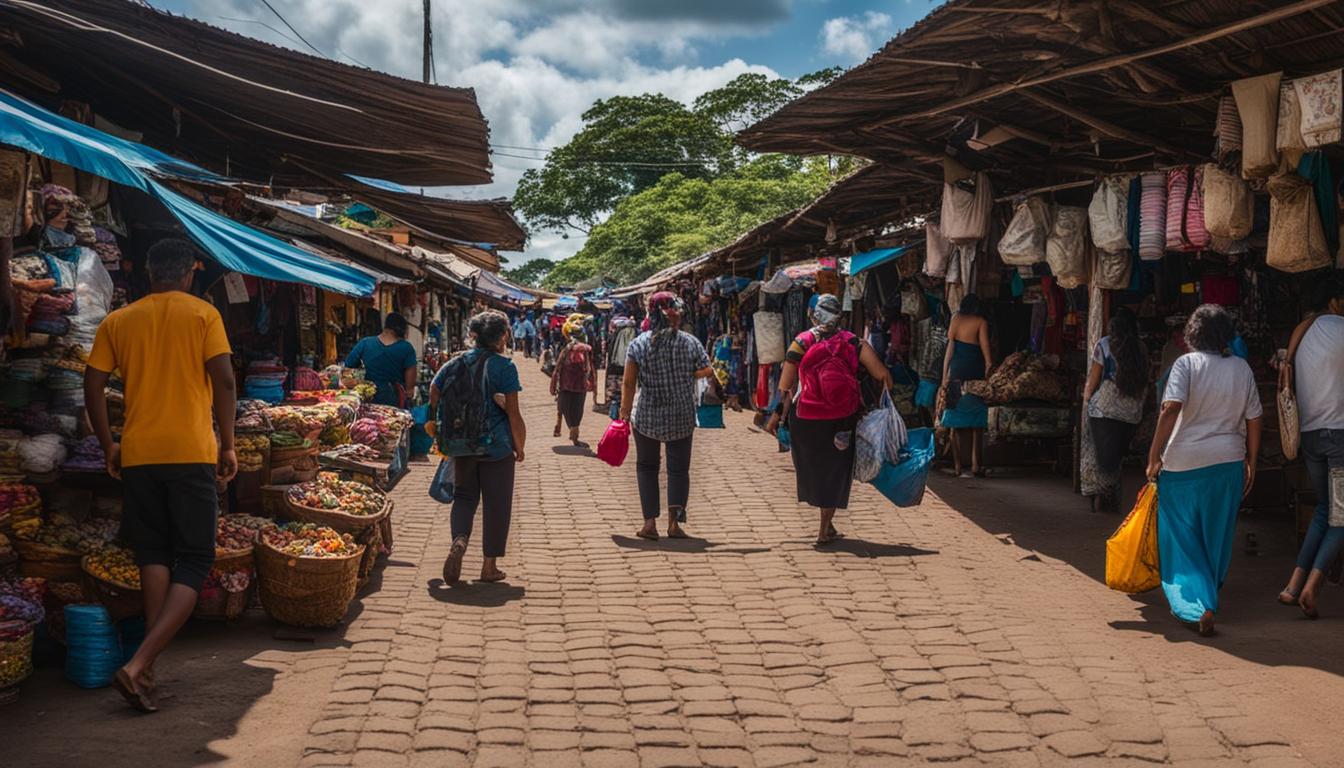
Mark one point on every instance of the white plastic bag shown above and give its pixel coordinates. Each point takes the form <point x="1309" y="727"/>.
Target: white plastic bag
<point x="1109" y="213"/>
<point x="881" y="436"/>
<point x="965" y="214"/>
<point x="1023" y="242"/>
<point x="1066" y="248"/>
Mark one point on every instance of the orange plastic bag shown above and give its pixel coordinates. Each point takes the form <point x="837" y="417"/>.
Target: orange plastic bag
<point x="1132" y="551"/>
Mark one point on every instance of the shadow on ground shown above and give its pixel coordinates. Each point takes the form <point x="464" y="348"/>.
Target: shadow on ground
<point x="688" y="545"/>
<point x="478" y="594"/>
<point x="1039" y="512"/>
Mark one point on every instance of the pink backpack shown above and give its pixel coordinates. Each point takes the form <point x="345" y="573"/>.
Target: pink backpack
<point x="829" y="376"/>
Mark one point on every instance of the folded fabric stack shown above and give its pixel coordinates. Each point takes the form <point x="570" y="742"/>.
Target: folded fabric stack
<point x="265" y="380"/>
<point x="306" y="379"/>
<point x="108" y="251"/>
<point x="85" y="456"/>
<point x="250" y="417"/>
<point x="41" y="454"/>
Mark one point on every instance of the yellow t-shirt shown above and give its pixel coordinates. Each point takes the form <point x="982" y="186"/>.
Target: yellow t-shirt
<point x="159" y="345"/>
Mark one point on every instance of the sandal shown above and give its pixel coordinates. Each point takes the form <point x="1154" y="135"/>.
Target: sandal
<point x="557" y="430"/>
<point x="1287" y="598"/>
<point x="452" y="566"/>
<point x="1205" y="627"/>
<point x="1309" y="611"/>
<point x="136" y="698"/>
<point x="648" y="535"/>
<point x="496" y="576"/>
<point x="677" y="533"/>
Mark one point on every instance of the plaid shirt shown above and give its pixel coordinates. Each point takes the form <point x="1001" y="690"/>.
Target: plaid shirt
<point x="665" y="409"/>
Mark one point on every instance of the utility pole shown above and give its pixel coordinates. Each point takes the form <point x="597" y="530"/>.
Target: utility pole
<point x="429" y="44"/>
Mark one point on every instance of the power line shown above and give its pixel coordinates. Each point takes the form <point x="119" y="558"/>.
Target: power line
<point x="626" y="163"/>
<point x="296" y="32"/>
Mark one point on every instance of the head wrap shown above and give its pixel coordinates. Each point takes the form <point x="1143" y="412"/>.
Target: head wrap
<point x="665" y="311"/>
<point x="826" y="313"/>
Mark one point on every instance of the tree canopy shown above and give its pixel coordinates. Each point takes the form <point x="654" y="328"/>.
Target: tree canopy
<point x="531" y="273"/>
<point x="652" y="181"/>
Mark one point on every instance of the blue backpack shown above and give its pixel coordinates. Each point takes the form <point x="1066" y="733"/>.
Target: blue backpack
<point x="463" y="400"/>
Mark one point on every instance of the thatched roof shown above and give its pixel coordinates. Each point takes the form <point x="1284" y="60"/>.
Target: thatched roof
<point x="238" y="105"/>
<point x="1040" y="93"/>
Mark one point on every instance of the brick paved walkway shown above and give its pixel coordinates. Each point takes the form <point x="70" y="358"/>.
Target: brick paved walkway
<point x="922" y="638"/>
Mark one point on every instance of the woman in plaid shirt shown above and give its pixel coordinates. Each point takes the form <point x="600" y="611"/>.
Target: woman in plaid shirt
<point x="663" y="363"/>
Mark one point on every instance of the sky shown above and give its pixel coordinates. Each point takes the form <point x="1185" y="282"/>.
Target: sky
<point x="537" y="65"/>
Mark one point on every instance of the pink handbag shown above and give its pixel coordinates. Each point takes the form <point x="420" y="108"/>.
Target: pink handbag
<point x="615" y="443"/>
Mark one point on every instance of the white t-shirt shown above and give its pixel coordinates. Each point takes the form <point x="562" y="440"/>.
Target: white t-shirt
<point x="1218" y="396"/>
<point x="1319" y="373"/>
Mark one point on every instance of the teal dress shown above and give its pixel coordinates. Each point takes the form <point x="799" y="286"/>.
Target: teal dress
<point x="384" y="365"/>
<point x="968" y="364"/>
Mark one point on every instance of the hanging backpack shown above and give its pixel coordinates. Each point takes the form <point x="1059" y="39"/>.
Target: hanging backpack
<point x="829" y="373"/>
<point x="463" y="401"/>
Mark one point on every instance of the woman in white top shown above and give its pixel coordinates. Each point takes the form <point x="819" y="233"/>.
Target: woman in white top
<point x="1315" y="366"/>
<point x="1203" y="461"/>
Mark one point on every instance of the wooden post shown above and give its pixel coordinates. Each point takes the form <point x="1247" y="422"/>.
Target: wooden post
<point x="428" y="49"/>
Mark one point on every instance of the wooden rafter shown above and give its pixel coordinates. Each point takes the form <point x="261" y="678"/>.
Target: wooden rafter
<point x="1105" y="126"/>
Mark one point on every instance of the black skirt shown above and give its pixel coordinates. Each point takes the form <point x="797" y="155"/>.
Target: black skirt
<point x="571" y="405"/>
<point x="824" y="473"/>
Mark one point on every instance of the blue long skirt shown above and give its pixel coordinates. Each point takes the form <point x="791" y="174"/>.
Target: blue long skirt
<point x="1196" y="522"/>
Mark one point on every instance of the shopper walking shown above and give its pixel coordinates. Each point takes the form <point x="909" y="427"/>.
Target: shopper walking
<point x="1117" y="383"/>
<point x="662" y="365"/>
<point x="575" y="376"/>
<point x="1315" y="368"/>
<point x="528" y="334"/>
<point x="172" y="353"/>
<point x="388" y="360"/>
<point x="622" y="333"/>
<point x="1203" y="460"/>
<point x="486" y="481"/>
<point x="968" y="358"/>
<point x="823" y="365"/>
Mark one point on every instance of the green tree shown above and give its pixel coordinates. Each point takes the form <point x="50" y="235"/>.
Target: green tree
<point x="626" y="145"/>
<point x="531" y="273"/>
<point x="682" y="217"/>
<point x="745" y="99"/>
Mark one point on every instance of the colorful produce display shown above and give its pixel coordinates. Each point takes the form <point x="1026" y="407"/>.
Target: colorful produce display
<point x="251" y="418"/>
<point x="29" y="588"/>
<point x="352" y="452"/>
<point x="251" y="451"/>
<point x="116" y="565"/>
<point x="233" y="536"/>
<point x="15" y="608"/>
<point x="88" y="536"/>
<point x="340" y="495"/>
<point x="308" y="540"/>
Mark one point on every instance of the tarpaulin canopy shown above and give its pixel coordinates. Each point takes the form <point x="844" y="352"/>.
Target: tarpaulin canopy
<point x="863" y="262"/>
<point x="493" y="285"/>
<point x="234" y="245"/>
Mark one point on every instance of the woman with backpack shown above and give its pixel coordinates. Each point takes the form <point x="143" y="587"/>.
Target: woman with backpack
<point x="663" y="364"/>
<point x="574" y="377"/>
<point x="825" y="360"/>
<point x="484" y="476"/>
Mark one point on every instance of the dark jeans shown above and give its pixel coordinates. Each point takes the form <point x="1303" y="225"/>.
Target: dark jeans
<point x="647" y="460"/>
<point x="489" y="481"/>
<point x="1321" y="450"/>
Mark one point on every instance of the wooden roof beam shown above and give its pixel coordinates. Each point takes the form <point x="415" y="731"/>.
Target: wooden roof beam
<point x="1110" y="62"/>
<point x="1105" y="126"/>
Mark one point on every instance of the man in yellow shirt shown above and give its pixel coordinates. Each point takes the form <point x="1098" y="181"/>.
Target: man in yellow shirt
<point x="173" y="355"/>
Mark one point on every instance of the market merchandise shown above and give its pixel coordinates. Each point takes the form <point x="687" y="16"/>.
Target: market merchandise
<point x="308" y="540"/>
<point x="233" y="536"/>
<point x="1022" y="376"/>
<point x="352" y="452"/>
<point x="61" y="532"/>
<point x="250" y="417"/>
<point x="85" y="456"/>
<point x="251" y="450"/>
<point x="115" y="564"/>
<point x="346" y="496"/>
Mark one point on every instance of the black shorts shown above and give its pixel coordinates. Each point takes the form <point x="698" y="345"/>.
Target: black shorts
<point x="168" y="518"/>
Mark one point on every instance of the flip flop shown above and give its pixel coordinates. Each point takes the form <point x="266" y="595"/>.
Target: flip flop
<point x="492" y="578"/>
<point x="138" y="699"/>
<point x="1311" y="613"/>
<point x="647" y="536"/>
<point x="452" y="567"/>
<point x="677" y="534"/>
<point x="1290" y="602"/>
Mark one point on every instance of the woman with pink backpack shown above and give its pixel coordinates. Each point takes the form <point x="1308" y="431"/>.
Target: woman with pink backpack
<point x="825" y="361"/>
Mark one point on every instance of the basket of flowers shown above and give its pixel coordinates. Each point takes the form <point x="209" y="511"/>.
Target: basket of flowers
<point x="307" y="574"/>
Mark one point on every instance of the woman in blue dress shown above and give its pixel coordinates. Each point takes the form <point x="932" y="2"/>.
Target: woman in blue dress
<point x="967" y="358"/>
<point x="1203" y="461"/>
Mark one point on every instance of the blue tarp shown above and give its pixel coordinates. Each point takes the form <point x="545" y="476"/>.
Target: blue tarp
<point x="869" y="259"/>
<point x="235" y="246"/>
<point x="493" y="285"/>
<point x="567" y="302"/>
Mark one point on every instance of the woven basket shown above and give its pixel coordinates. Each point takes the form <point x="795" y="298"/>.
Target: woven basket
<point x="16" y="659"/>
<point x="120" y="600"/>
<point x="221" y="604"/>
<point x="283" y="457"/>
<point x="335" y="519"/>
<point x="306" y="591"/>
<point x="47" y="562"/>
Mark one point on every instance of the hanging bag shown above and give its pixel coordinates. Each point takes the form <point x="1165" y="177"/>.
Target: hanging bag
<point x="937" y="249"/>
<point x="1023" y="242"/>
<point x="442" y="488"/>
<point x="1108" y="214"/>
<point x="903" y="482"/>
<point x="1229" y="207"/>
<point x="1185" y="211"/>
<point x="1258" y="105"/>
<point x="965" y="213"/>
<point x="1296" y="238"/>
<point x="1132" y="563"/>
<point x="769" y="330"/>
<point x="1066" y="248"/>
<point x="1290" y="435"/>
<point x="881" y="435"/>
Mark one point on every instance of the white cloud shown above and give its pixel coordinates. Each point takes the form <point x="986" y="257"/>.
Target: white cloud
<point x="535" y="66"/>
<point x="855" y="37"/>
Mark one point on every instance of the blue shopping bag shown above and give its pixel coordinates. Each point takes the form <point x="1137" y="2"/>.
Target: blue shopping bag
<point x="903" y="483"/>
<point x="709" y="416"/>
<point x="441" y="488"/>
<point x="421" y="442"/>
